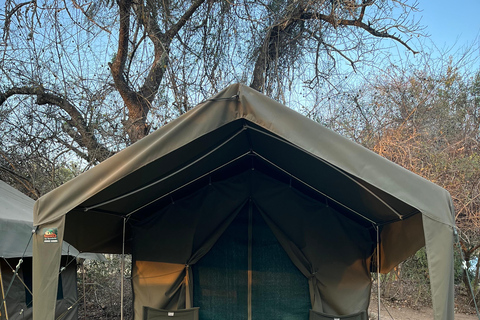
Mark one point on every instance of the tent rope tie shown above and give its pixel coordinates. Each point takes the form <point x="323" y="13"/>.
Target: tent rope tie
<point x="465" y="268"/>
<point x="232" y="98"/>
<point x="190" y="164"/>
<point x="74" y="258"/>
<point x="19" y="278"/>
<point x="63" y="315"/>
<point x="345" y="174"/>
<point x="386" y="309"/>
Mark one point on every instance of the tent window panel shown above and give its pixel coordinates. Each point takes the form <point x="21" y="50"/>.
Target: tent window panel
<point x="220" y="277"/>
<point x="279" y="289"/>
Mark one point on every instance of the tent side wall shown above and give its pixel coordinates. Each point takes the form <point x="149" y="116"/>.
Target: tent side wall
<point x="46" y="266"/>
<point x="440" y="245"/>
<point x="19" y="300"/>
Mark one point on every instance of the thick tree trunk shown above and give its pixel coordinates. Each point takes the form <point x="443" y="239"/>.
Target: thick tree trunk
<point x="139" y="102"/>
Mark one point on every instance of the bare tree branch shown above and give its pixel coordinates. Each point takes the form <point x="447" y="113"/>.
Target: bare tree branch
<point x="139" y="102"/>
<point x="8" y="17"/>
<point x="86" y="138"/>
<point x="357" y="23"/>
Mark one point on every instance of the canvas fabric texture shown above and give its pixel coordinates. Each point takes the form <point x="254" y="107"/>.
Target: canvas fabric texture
<point x="19" y="308"/>
<point x="217" y="140"/>
<point x="16" y="240"/>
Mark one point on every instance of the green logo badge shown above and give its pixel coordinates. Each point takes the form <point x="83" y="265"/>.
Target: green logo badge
<point x="50" y="235"/>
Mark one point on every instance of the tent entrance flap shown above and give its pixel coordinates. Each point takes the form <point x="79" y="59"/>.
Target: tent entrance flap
<point x="287" y="241"/>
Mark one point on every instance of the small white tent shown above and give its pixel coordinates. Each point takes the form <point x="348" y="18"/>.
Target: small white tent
<point x="16" y="225"/>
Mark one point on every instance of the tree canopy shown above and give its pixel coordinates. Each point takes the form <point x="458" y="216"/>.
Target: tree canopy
<point x="86" y="78"/>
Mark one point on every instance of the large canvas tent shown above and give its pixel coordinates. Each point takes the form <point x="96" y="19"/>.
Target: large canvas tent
<point x="245" y="209"/>
<point x="16" y="225"/>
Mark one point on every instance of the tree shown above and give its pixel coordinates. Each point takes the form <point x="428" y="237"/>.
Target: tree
<point x="427" y="121"/>
<point x="83" y="79"/>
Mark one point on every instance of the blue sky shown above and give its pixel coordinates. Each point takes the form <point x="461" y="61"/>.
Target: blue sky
<point x="452" y="24"/>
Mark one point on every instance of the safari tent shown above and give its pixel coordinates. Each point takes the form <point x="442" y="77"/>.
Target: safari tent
<point x="244" y="209"/>
<point x="16" y="225"/>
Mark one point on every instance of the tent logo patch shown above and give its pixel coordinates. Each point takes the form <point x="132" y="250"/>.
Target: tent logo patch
<point x="50" y="235"/>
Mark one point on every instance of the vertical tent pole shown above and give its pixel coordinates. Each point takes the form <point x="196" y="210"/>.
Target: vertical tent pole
<point x="122" y="270"/>
<point x="84" y="292"/>
<point x="250" y="231"/>
<point x="3" y="296"/>
<point x="378" y="271"/>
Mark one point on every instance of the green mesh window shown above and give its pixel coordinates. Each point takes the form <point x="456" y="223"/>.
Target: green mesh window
<point x="220" y="277"/>
<point x="278" y="290"/>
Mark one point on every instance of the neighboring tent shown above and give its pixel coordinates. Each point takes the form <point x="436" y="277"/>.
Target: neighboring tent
<point x="16" y="225"/>
<point x="244" y="207"/>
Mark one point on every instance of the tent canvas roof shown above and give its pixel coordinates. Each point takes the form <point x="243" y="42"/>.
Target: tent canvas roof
<point x="16" y="225"/>
<point x="241" y="128"/>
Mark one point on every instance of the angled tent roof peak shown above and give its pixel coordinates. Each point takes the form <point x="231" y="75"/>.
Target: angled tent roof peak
<point x="266" y="115"/>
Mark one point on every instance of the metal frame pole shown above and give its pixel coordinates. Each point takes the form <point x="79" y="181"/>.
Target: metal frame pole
<point x="3" y="295"/>
<point x="378" y="271"/>
<point x="122" y="271"/>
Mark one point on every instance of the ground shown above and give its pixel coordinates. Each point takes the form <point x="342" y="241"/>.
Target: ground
<point x="401" y="301"/>
<point x="400" y="312"/>
<point x="407" y="300"/>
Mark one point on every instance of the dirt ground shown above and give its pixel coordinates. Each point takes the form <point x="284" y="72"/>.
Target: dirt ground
<point x="405" y="313"/>
<point x="393" y="312"/>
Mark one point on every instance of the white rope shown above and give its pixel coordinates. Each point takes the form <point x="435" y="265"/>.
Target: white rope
<point x="465" y="268"/>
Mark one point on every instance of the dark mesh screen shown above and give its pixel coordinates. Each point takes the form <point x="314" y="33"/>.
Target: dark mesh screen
<point x="220" y="277"/>
<point x="279" y="290"/>
<point x="27" y="273"/>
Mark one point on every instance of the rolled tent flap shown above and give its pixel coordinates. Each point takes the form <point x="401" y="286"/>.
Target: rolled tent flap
<point x="332" y="252"/>
<point x="181" y="234"/>
<point x="47" y="250"/>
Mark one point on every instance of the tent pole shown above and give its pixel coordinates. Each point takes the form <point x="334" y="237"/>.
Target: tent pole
<point x="84" y="292"/>
<point x="250" y="233"/>
<point x="3" y="296"/>
<point x="378" y="272"/>
<point x="122" y="271"/>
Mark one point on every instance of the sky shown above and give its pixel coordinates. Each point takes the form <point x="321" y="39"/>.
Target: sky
<point x="452" y="24"/>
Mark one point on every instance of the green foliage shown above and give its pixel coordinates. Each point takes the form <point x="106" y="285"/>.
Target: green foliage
<point x="416" y="268"/>
<point x="103" y="288"/>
